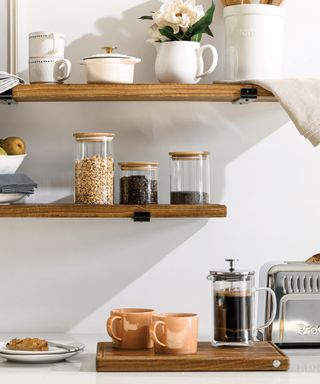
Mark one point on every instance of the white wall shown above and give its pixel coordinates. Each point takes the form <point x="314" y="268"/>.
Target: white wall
<point x="65" y="275"/>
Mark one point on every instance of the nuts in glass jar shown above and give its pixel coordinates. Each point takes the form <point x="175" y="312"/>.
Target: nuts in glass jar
<point x="94" y="180"/>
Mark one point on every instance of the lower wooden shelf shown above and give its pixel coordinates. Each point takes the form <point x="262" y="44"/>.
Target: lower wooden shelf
<point x="137" y="212"/>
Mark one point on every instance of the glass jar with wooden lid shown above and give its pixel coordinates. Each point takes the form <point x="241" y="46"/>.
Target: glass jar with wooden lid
<point x="94" y="168"/>
<point x="139" y="183"/>
<point x="189" y="177"/>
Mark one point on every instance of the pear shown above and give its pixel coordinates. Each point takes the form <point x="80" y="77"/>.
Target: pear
<point x="3" y="152"/>
<point x="14" y="146"/>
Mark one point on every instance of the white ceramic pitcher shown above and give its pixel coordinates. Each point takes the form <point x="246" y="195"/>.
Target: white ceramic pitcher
<point x="182" y="61"/>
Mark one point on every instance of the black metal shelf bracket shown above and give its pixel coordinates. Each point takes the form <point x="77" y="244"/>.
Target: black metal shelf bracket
<point x="7" y="97"/>
<point x="141" y="217"/>
<point x="247" y="96"/>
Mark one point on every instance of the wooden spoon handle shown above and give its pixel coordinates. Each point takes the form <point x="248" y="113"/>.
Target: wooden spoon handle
<point x="276" y="2"/>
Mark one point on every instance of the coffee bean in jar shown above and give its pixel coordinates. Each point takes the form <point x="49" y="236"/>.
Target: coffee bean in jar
<point x="189" y="177"/>
<point x="139" y="183"/>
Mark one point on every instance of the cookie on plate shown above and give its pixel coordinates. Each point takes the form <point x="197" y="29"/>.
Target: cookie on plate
<point x="28" y="344"/>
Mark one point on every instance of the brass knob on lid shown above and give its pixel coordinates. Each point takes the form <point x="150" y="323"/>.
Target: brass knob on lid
<point x="109" y="49"/>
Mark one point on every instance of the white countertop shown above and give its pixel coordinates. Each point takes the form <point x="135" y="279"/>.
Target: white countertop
<point x="304" y="368"/>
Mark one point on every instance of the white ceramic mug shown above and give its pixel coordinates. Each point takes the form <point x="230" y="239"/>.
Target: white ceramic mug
<point x="49" y="70"/>
<point x="45" y="44"/>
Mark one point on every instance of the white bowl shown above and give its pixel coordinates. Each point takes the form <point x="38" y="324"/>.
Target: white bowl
<point x="8" y="198"/>
<point x="10" y="163"/>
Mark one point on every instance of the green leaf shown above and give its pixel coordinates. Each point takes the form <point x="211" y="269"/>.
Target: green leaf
<point x="146" y="18"/>
<point x="197" y="37"/>
<point x="202" y="25"/>
<point x="168" y="32"/>
<point x="209" y="32"/>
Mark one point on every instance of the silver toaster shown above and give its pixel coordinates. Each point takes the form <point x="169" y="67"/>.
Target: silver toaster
<point x="297" y="289"/>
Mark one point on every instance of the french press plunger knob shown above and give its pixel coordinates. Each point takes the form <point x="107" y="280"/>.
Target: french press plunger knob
<point x="232" y="262"/>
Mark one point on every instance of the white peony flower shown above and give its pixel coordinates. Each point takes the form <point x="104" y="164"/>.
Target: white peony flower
<point x="178" y="14"/>
<point x="155" y="33"/>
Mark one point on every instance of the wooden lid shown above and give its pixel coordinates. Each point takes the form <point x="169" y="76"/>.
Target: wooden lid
<point x="188" y="155"/>
<point x="138" y="166"/>
<point x="93" y="136"/>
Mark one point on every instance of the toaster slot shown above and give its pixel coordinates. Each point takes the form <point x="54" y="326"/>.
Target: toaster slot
<point x="297" y="284"/>
<point x="315" y="283"/>
<point x="288" y="284"/>
<point x="300" y="283"/>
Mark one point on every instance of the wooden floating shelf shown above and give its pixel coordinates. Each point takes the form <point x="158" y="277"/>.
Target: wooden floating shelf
<point x="135" y="92"/>
<point x="113" y="211"/>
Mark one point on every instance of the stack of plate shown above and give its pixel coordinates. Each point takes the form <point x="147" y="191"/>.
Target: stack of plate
<point x="53" y="355"/>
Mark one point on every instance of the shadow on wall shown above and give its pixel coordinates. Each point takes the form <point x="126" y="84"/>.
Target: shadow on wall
<point x="129" y="34"/>
<point x="64" y="276"/>
<point x="144" y="131"/>
<point x="85" y="263"/>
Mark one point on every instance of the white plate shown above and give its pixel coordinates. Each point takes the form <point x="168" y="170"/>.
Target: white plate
<point x="7" y="198"/>
<point x="38" y="359"/>
<point x="51" y="351"/>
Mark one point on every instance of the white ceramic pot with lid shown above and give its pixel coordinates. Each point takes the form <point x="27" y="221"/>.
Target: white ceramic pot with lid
<point x="110" y="67"/>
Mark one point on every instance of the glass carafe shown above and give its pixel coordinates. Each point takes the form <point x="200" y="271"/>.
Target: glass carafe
<point x="234" y="311"/>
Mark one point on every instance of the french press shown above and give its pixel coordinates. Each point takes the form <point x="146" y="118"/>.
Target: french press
<point x="234" y="307"/>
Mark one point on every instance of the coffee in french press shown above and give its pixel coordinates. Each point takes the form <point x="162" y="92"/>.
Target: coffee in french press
<point x="234" y="307"/>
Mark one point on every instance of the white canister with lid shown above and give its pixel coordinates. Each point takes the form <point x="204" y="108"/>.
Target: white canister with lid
<point x="110" y="67"/>
<point x="254" y="41"/>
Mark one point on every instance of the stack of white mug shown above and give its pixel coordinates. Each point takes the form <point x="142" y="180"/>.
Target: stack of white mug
<point x="46" y="58"/>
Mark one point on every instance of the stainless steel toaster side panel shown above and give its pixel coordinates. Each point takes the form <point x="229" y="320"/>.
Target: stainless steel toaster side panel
<point x="297" y="322"/>
<point x="297" y="289"/>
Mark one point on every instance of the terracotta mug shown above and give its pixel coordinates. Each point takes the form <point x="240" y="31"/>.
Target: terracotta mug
<point x="175" y="333"/>
<point x="129" y="328"/>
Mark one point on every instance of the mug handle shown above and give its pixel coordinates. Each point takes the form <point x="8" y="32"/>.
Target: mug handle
<point x="215" y="56"/>
<point x="153" y="332"/>
<point x="66" y="69"/>
<point x="274" y="307"/>
<point x="109" y="327"/>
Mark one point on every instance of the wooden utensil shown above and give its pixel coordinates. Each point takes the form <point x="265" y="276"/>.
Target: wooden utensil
<point x="276" y="2"/>
<point x="237" y="2"/>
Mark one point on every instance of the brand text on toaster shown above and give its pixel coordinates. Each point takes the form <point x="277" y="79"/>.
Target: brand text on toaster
<point x="308" y="330"/>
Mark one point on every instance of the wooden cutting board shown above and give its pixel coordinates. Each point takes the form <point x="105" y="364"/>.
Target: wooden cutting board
<point x="262" y="356"/>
